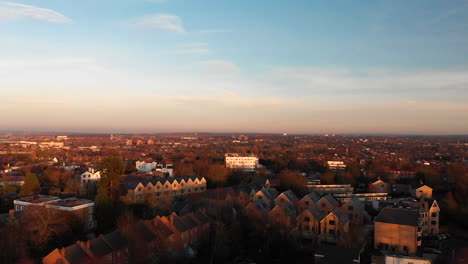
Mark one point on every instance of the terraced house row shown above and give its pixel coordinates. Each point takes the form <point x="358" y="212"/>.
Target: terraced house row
<point x="322" y="219"/>
<point x="143" y="190"/>
<point x="141" y="242"/>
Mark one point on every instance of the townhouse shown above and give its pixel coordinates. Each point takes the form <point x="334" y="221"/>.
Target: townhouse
<point x="144" y="190"/>
<point x="396" y="230"/>
<point x="110" y="248"/>
<point x="140" y="242"/>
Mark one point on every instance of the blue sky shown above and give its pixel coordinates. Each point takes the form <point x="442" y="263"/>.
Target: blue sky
<point x="235" y="65"/>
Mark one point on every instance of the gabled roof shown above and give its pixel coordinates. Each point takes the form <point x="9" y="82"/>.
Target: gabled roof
<point x="161" y="228"/>
<point x="357" y="203"/>
<point x="202" y="218"/>
<point x="312" y="196"/>
<point x="99" y="247"/>
<point x="330" y="199"/>
<point x="398" y="216"/>
<point x="76" y="255"/>
<point x="144" y="232"/>
<point x="290" y="195"/>
<point x="316" y="212"/>
<point x="116" y="240"/>
<point x="340" y="215"/>
<point x="179" y="224"/>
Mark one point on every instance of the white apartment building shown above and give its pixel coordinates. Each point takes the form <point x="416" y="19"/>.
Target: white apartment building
<point x="142" y="166"/>
<point x="336" y="165"/>
<point x="145" y="167"/>
<point x="246" y="163"/>
<point x="89" y="179"/>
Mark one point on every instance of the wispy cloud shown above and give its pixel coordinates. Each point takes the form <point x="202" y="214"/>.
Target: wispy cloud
<point x="194" y="44"/>
<point x="194" y="51"/>
<point x="16" y="11"/>
<point x="165" y="22"/>
<point x="220" y="67"/>
<point x="212" y="31"/>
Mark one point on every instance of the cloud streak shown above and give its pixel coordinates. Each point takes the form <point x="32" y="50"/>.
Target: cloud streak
<point x="15" y="11"/>
<point x="164" y="22"/>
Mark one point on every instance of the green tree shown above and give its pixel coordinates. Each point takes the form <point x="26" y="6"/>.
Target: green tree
<point x="31" y="185"/>
<point x="111" y="169"/>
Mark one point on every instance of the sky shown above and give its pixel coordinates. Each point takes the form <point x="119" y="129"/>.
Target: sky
<point x="271" y="66"/>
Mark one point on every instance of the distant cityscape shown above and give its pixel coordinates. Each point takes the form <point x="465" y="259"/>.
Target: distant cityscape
<point x="96" y="198"/>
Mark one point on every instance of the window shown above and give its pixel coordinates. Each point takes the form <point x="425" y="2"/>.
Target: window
<point x="306" y="228"/>
<point x="323" y="205"/>
<point x="433" y="222"/>
<point x="307" y="219"/>
<point x="350" y="208"/>
<point x="331" y="222"/>
<point x="259" y="197"/>
<point x="331" y="231"/>
<point x="157" y="187"/>
<point x="307" y="203"/>
<point x="434" y="214"/>
<point x="405" y="248"/>
<point x="139" y="189"/>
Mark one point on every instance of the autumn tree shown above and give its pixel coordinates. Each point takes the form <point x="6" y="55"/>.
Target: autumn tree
<point x="31" y="185"/>
<point x="217" y="173"/>
<point x="293" y="180"/>
<point x="327" y="178"/>
<point x="184" y="168"/>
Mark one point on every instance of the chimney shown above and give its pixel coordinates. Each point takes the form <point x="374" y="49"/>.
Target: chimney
<point x="11" y="213"/>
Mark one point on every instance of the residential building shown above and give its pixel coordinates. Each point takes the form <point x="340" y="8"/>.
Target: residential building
<point x="328" y="254"/>
<point x="143" y="190"/>
<point x="419" y="190"/>
<point x="331" y="188"/>
<point x="239" y="162"/>
<point x="82" y="208"/>
<point x="143" y="166"/>
<point x="379" y="186"/>
<point x="286" y="197"/>
<point x="355" y="210"/>
<point x="336" y="165"/>
<point x="396" y="230"/>
<point x="334" y="227"/>
<point x="25" y="203"/>
<point x="110" y="248"/>
<point x="392" y="259"/>
<point x="308" y="201"/>
<point x="89" y="180"/>
<point x="363" y="197"/>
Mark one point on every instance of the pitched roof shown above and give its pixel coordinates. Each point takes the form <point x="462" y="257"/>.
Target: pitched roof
<point x="328" y="254"/>
<point x="116" y="240"/>
<point x="330" y="199"/>
<point x="316" y="212"/>
<point x="312" y="196"/>
<point x="144" y="232"/>
<point x="341" y="215"/>
<point x="290" y="195"/>
<point x="76" y="255"/>
<point x="398" y="216"/>
<point x="99" y="247"/>
<point x="161" y="228"/>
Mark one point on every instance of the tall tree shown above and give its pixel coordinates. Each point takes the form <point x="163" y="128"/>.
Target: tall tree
<point x="111" y="169"/>
<point x="31" y="185"/>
